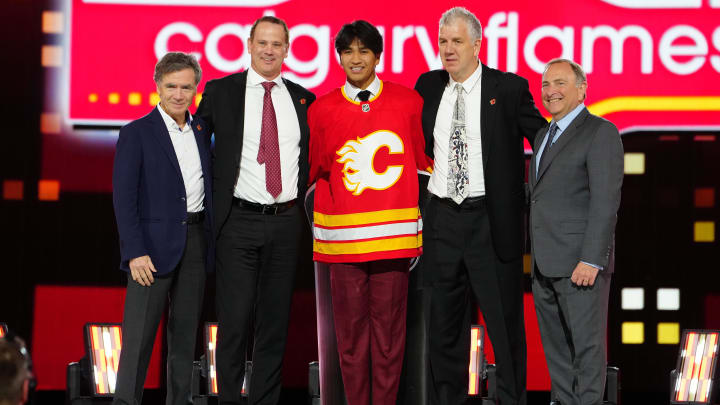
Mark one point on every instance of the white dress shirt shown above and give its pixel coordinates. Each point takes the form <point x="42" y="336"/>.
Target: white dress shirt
<point x="443" y="122"/>
<point x="188" y="156"/>
<point x="250" y="185"/>
<point x="352" y="92"/>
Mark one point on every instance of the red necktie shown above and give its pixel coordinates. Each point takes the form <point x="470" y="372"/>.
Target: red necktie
<point x="269" y="151"/>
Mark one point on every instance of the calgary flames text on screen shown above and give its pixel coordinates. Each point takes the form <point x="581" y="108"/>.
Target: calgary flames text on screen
<point x="667" y="50"/>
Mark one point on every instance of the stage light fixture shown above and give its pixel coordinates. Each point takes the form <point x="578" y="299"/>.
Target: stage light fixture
<point x="477" y="334"/>
<point x="103" y="342"/>
<point x="3" y="329"/>
<point x="692" y="380"/>
<point x="211" y="361"/>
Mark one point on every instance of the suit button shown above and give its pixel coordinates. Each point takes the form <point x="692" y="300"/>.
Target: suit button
<point x="182" y="198"/>
<point x="183" y="222"/>
<point x="533" y="201"/>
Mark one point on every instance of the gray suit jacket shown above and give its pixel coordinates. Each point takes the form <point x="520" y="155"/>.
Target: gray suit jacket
<point x="575" y="195"/>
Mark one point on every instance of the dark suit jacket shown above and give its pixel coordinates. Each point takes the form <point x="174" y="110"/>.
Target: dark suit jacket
<point x="222" y="108"/>
<point x="507" y="114"/>
<point x="575" y="196"/>
<point x="149" y="193"/>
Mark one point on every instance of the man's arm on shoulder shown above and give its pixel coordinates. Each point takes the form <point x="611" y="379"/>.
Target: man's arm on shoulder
<point x="529" y="119"/>
<point x="605" y="165"/>
<point x="205" y="110"/>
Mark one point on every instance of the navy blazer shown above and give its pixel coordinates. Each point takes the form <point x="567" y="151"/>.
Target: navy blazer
<point x="149" y="193"/>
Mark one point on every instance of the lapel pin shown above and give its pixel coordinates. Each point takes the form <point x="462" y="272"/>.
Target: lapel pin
<point x="492" y="102"/>
<point x="302" y="101"/>
<point x="199" y="128"/>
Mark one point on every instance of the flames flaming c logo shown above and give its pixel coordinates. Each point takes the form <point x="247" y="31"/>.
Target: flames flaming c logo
<point x="358" y="156"/>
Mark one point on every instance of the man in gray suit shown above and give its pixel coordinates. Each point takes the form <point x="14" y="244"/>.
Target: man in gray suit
<point x="575" y="178"/>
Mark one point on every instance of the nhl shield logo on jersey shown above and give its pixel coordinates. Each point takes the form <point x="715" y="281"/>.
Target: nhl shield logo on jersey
<point x="357" y="157"/>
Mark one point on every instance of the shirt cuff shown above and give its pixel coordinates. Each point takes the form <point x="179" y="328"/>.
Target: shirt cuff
<point x="593" y="265"/>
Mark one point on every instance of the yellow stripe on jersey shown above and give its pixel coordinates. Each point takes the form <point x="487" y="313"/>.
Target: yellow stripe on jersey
<point x="369" y="246"/>
<point x="363" y="218"/>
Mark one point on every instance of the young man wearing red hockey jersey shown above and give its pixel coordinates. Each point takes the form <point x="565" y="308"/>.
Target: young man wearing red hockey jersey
<point x="366" y="144"/>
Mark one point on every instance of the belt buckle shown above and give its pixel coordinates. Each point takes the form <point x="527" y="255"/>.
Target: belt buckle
<point x="270" y="209"/>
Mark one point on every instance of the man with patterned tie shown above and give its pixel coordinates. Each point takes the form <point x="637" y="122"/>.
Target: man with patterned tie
<point x="474" y="120"/>
<point x="575" y="180"/>
<point x="261" y="168"/>
<point x="365" y="149"/>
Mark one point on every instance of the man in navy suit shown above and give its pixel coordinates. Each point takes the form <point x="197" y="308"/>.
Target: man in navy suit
<point x="163" y="200"/>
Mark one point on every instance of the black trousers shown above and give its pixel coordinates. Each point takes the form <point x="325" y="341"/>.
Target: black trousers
<point x="144" y="307"/>
<point x="256" y="260"/>
<point x="459" y="261"/>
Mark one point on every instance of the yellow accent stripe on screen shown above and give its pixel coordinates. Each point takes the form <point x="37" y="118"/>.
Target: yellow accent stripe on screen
<point x="363" y="218"/>
<point x="369" y="246"/>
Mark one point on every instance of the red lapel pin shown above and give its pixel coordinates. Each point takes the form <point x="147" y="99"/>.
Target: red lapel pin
<point x="302" y="101"/>
<point x="492" y="102"/>
<point x="199" y="128"/>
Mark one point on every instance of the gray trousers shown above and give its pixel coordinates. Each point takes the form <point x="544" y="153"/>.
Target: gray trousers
<point x="144" y="306"/>
<point x="573" y="328"/>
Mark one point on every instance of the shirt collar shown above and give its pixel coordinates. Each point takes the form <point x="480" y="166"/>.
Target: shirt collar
<point x="170" y="122"/>
<point x="566" y="120"/>
<point x="470" y="82"/>
<point x="254" y="79"/>
<point x="351" y="91"/>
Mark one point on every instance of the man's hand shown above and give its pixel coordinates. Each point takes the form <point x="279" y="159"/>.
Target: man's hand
<point x="141" y="269"/>
<point x="584" y="275"/>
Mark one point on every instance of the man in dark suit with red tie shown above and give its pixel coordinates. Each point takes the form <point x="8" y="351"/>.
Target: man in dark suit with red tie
<point x="261" y="169"/>
<point x="162" y="199"/>
<point x="474" y="120"/>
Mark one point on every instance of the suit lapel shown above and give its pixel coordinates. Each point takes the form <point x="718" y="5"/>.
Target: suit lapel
<point x="162" y="136"/>
<point x="488" y="113"/>
<point x="200" y="140"/>
<point x="237" y="109"/>
<point x="300" y="110"/>
<point x="431" y="106"/>
<point x="563" y="140"/>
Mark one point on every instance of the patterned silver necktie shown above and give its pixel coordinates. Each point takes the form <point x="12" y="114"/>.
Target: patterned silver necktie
<point x="458" y="176"/>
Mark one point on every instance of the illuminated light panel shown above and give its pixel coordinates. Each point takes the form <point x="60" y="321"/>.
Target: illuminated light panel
<point x="668" y="299"/>
<point x="668" y="333"/>
<point x="53" y="22"/>
<point x="3" y="329"/>
<point x="633" y="333"/>
<point x="696" y="367"/>
<point x="198" y="97"/>
<point x="704" y="138"/>
<point x="210" y="345"/>
<point x="103" y="343"/>
<point x="12" y="189"/>
<point x="93" y="97"/>
<point x="634" y="163"/>
<point x="154" y="99"/>
<point x="50" y="123"/>
<point x="527" y="263"/>
<point x="476" y="359"/>
<point x="633" y="299"/>
<point x="51" y="56"/>
<point x="705" y="197"/>
<point x="134" y="98"/>
<point x="704" y="231"/>
<point x="113" y="98"/>
<point x="669" y="138"/>
<point x="48" y="190"/>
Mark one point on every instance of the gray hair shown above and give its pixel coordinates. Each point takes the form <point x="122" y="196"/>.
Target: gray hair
<point x="473" y="24"/>
<point x="175" y="62"/>
<point x="580" y="77"/>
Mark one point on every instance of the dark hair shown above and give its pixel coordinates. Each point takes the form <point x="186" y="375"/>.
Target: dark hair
<point x="13" y="371"/>
<point x="272" y="20"/>
<point x="175" y="62"/>
<point x="364" y="32"/>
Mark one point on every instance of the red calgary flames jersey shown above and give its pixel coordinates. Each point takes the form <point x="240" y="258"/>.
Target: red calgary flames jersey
<point x="364" y="158"/>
